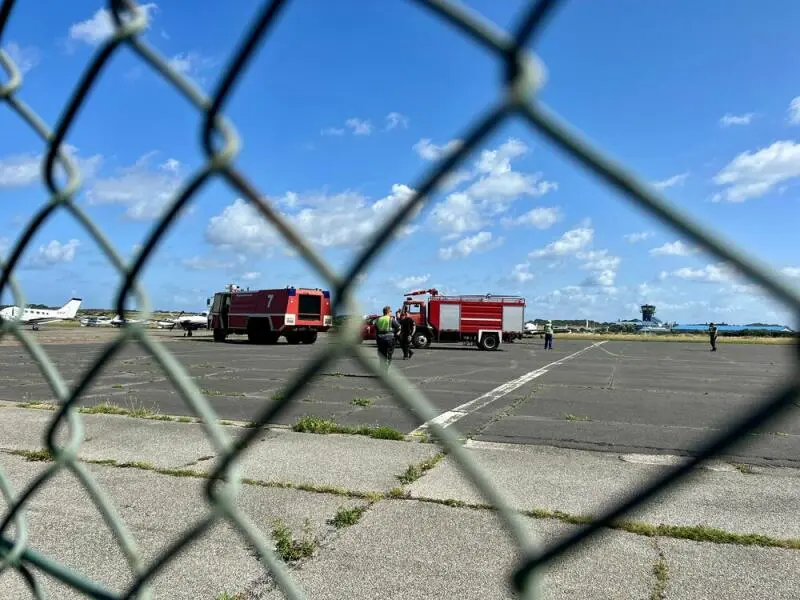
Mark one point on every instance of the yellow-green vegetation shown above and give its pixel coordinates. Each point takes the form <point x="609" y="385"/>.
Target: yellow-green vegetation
<point x="346" y="517"/>
<point x="570" y="417"/>
<point x="290" y="549"/>
<point x="417" y="470"/>
<point x="43" y="455"/>
<point x="312" y="424"/>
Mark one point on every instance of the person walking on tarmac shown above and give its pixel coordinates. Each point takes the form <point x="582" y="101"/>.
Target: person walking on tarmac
<point x="712" y="336"/>
<point x="407" y="328"/>
<point x="548" y="336"/>
<point x="386" y="327"/>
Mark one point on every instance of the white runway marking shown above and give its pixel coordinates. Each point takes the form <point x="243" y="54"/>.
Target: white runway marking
<point x="451" y="416"/>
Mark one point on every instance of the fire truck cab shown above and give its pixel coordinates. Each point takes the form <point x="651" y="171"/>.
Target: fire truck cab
<point x="296" y="314"/>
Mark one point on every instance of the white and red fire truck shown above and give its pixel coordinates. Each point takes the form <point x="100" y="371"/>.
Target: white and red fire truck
<point x="297" y="314"/>
<point x="484" y="321"/>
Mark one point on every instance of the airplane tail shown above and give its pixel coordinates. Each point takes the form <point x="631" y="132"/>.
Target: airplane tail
<point x="70" y="309"/>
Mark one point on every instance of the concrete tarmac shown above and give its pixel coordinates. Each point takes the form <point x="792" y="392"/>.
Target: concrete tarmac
<point x="641" y="397"/>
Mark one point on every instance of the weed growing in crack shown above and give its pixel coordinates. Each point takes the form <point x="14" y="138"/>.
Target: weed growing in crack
<point x="346" y="517"/>
<point x="290" y="549"/>
<point x="362" y="402"/>
<point x="38" y="404"/>
<point x="569" y="417"/>
<point x="744" y="468"/>
<point x="417" y="470"/>
<point x="312" y="424"/>
<point x="398" y="492"/>
<point x="43" y="455"/>
<point x="661" y="573"/>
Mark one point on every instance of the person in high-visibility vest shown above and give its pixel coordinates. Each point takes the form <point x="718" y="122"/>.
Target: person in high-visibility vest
<point x="548" y="336"/>
<point x="386" y="327"/>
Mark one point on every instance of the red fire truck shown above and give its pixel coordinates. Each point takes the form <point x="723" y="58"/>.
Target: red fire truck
<point x="297" y="314"/>
<point x="485" y="321"/>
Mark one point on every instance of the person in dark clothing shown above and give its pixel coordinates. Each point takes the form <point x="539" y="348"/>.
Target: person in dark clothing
<point x="712" y="336"/>
<point x="407" y="328"/>
<point x="386" y="327"/>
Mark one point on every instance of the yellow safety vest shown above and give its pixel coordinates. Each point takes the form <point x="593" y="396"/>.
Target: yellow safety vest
<point x="383" y="324"/>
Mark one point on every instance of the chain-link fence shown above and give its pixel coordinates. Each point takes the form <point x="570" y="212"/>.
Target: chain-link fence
<point x="523" y="75"/>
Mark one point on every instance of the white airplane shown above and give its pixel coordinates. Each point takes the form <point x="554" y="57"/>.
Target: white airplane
<point x="38" y="316"/>
<point x="95" y="321"/>
<point x="118" y="321"/>
<point x="188" y="323"/>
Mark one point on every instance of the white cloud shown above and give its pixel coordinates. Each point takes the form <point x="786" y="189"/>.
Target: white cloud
<point x="192" y="64"/>
<point x="172" y="165"/>
<point x="143" y="190"/>
<point x="572" y="241"/>
<point x="412" y="282"/>
<point x="494" y="186"/>
<point x="456" y="214"/>
<point x="251" y="276"/>
<point x="709" y="273"/>
<point x="794" y="111"/>
<point x="791" y="271"/>
<point x="522" y="272"/>
<point x="453" y="179"/>
<point x="602" y="278"/>
<point x="339" y="220"/>
<point x="753" y="174"/>
<point x="480" y="242"/>
<point x="430" y="151"/>
<point x="55" y="252"/>
<point x="499" y="160"/>
<point x="101" y="25"/>
<point x="201" y="263"/>
<point x="676" y="248"/>
<point x="603" y="265"/>
<point x="332" y="131"/>
<point x="25" y="58"/>
<point x="359" y="126"/>
<point x="21" y="170"/>
<point x="540" y="218"/>
<point x="599" y="260"/>
<point x="632" y="238"/>
<point x="395" y="119"/>
<point x="729" y="119"/>
<point x="671" y="181"/>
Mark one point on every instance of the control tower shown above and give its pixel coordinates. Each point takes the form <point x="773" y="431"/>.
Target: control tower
<point x="648" y="310"/>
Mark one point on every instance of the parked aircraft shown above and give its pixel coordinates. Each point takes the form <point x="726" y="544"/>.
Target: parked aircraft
<point x="39" y="316"/>
<point x="95" y="321"/>
<point x="118" y="321"/>
<point x="188" y="323"/>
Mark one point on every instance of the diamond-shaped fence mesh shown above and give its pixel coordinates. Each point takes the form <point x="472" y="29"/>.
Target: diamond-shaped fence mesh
<point x="523" y="75"/>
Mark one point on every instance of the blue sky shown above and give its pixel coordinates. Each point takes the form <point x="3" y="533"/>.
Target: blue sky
<point x="345" y="106"/>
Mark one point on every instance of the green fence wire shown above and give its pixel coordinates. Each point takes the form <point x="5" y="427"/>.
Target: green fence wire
<point x="524" y="74"/>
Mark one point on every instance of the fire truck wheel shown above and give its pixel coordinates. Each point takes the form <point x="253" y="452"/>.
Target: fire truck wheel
<point x="489" y="342"/>
<point x="219" y="335"/>
<point x="292" y="338"/>
<point x="422" y="340"/>
<point x="309" y="337"/>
